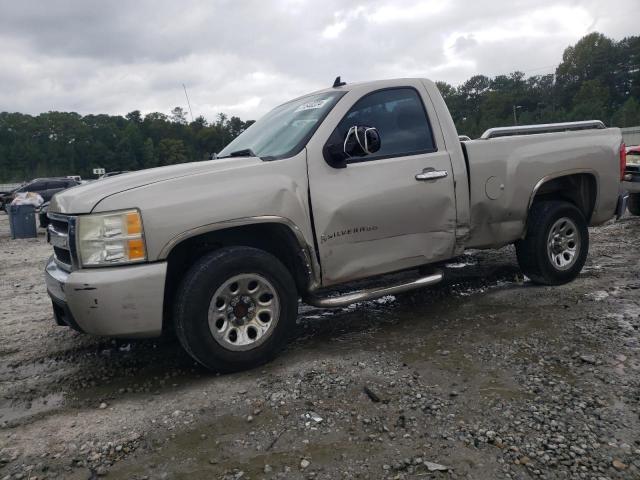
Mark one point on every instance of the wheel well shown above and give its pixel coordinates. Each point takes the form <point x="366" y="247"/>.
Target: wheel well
<point x="275" y="238"/>
<point x="581" y="189"/>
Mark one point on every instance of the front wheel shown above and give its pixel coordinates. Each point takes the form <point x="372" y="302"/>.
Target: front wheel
<point x="634" y="204"/>
<point x="556" y="244"/>
<point x="235" y="308"/>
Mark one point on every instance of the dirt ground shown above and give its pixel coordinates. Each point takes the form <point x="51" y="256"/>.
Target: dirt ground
<point x="484" y="376"/>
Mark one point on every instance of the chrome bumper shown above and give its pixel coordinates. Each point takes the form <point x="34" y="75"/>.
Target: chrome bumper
<point x="121" y="301"/>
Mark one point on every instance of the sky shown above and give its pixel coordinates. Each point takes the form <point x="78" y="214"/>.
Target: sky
<point x="243" y="57"/>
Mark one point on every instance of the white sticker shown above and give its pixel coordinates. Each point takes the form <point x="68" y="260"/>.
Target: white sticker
<point x="312" y="105"/>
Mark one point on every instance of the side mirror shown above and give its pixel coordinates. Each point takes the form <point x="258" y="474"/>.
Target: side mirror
<point x="358" y="142"/>
<point x="361" y="141"/>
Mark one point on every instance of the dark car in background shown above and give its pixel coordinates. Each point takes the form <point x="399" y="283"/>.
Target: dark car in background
<point x="45" y="187"/>
<point x="43" y="218"/>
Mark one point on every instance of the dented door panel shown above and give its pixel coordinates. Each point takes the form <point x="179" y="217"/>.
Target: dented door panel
<point x="374" y="216"/>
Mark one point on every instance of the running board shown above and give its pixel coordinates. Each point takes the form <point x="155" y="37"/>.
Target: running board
<point x="368" y="294"/>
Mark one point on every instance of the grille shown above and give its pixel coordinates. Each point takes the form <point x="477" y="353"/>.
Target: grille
<point x="62" y="255"/>
<point x="60" y="224"/>
<point x="60" y="235"/>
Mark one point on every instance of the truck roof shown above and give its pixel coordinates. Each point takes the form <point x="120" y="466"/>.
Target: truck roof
<point x="373" y="83"/>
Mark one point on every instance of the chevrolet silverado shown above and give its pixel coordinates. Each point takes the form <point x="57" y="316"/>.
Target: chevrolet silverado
<point x="352" y="182"/>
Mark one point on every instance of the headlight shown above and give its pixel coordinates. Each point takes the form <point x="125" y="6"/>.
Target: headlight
<point x="111" y="239"/>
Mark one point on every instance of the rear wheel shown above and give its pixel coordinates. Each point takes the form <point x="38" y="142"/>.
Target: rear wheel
<point x="555" y="247"/>
<point x="634" y="204"/>
<point x="235" y="308"/>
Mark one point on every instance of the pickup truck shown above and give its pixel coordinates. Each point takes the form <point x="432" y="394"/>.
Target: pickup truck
<point x="352" y="182"/>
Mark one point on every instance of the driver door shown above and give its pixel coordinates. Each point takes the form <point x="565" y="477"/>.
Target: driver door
<point x="381" y="213"/>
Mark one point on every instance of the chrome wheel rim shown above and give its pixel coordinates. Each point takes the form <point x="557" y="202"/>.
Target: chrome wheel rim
<point x="244" y="312"/>
<point x="563" y="243"/>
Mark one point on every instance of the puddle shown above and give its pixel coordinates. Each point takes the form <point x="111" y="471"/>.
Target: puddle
<point x="459" y="265"/>
<point x="214" y="461"/>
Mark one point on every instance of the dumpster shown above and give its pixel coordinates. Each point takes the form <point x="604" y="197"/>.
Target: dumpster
<point x="22" y="221"/>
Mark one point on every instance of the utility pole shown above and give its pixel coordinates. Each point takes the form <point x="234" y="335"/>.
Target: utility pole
<point x="188" y="102"/>
<point x="539" y="108"/>
<point x="515" y="116"/>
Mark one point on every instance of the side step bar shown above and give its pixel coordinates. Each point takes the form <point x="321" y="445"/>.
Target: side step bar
<point x="368" y="294"/>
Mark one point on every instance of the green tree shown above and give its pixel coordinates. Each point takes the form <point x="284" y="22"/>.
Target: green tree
<point x="170" y="151"/>
<point x="591" y="101"/>
<point x="134" y="116"/>
<point x="199" y="123"/>
<point x="594" y="57"/>
<point x="130" y="148"/>
<point x="149" y="158"/>
<point x="178" y="115"/>
<point x="628" y="115"/>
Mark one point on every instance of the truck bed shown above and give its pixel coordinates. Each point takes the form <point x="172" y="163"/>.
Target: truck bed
<point x="505" y="172"/>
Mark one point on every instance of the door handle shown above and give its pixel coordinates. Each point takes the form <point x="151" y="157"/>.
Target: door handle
<point x="430" y="174"/>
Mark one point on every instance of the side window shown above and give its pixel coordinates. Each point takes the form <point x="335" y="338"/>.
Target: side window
<point x="400" y="118"/>
<point x="55" y="184"/>
<point x="35" y="187"/>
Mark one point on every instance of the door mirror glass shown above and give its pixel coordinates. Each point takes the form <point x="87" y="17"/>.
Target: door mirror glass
<point x="360" y="141"/>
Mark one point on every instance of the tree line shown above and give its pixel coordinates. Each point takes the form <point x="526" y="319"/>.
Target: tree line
<point x="66" y="143"/>
<point x="598" y="78"/>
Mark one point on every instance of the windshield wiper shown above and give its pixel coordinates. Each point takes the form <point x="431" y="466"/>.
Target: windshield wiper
<point x="245" y="152"/>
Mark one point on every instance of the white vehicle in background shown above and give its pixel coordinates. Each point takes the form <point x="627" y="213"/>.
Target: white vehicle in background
<point x="112" y="174"/>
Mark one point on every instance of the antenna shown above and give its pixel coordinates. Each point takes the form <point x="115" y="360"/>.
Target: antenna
<point x="188" y="102"/>
<point x="338" y="83"/>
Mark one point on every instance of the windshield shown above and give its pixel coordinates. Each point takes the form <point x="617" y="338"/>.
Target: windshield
<point x="284" y="130"/>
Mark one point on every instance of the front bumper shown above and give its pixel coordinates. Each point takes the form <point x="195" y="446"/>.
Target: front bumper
<point x="124" y="301"/>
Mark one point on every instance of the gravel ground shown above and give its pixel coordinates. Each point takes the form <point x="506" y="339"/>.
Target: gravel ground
<point x="484" y="376"/>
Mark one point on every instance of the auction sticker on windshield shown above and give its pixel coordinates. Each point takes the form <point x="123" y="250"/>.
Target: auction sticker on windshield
<point x="312" y="105"/>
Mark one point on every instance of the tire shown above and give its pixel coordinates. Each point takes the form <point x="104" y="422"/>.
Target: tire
<point x="546" y="258"/>
<point x="634" y="204"/>
<point x="205" y="325"/>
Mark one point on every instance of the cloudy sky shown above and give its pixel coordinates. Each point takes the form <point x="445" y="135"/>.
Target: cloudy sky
<point x="243" y="57"/>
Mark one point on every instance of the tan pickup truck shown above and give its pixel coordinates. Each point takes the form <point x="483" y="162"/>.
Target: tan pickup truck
<point x="347" y="183"/>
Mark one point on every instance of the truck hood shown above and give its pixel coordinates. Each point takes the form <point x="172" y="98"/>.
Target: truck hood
<point x="83" y="198"/>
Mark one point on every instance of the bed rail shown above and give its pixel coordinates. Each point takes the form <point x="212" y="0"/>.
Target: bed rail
<point x="541" y="128"/>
